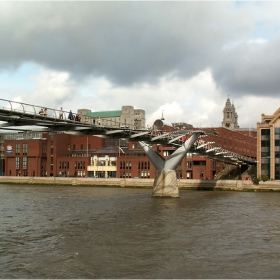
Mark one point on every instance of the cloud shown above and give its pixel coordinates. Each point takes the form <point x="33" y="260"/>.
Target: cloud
<point x="182" y="57"/>
<point x="51" y="88"/>
<point x="127" y="42"/>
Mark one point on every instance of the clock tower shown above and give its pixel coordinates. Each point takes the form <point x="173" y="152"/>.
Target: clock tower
<point x="230" y="116"/>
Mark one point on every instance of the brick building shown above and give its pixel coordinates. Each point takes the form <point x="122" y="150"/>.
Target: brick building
<point x="268" y="151"/>
<point x="50" y="155"/>
<point x="92" y="156"/>
<point x="26" y="157"/>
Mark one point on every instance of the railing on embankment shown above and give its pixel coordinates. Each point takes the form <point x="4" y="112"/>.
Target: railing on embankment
<point x="183" y="184"/>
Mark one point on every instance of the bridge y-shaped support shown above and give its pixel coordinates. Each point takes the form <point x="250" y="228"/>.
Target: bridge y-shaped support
<point x="165" y="183"/>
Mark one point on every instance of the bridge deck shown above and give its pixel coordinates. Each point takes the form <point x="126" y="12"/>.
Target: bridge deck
<point x="25" y="117"/>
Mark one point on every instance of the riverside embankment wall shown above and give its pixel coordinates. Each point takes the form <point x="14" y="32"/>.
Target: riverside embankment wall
<point x="234" y="185"/>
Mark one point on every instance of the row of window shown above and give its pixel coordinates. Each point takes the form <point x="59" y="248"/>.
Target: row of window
<point x="141" y="164"/>
<point x="141" y="174"/>
<point x="24" y="149"/>
<point x="102" y="162"/>
<point x="78" y="165"/>
<point x="266" y="143"/>
<point x="24" y="162"/>
<point x="267" y="131"/>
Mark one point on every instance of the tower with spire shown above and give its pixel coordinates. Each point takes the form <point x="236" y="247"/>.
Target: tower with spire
<point x="230" y="118"/>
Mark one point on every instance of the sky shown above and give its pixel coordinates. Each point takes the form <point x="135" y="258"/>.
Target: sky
<point x="177" y="59"/>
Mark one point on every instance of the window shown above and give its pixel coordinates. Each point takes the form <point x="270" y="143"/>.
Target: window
<point x="265" y="154"/>
<point x="265" y="143"/>
<point x="17" y="149"/>
<point x="167" y="153"/>
<point x="214" y="164"/>
<point x="277" y="171"/>
<point x="81" y="173"/>
<point x="64" y="165"/>
<point x="80" y="165"/>
<point x="265" y="166"/>
<point x="24" y="149"/>
<point x="24" y="162"/>
<point x="265" y="131"/>
<point x="44" y="149"/>
<point x="17" y="162"/>
<point x="199" y="162"/>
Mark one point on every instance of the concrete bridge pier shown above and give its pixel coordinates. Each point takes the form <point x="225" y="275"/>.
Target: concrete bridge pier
<point x="165" y="183"/>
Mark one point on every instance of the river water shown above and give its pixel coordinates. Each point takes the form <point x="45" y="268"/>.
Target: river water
<point x="91" y="232"/>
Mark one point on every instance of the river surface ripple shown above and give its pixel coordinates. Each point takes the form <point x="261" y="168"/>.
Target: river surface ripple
<point x="92" y="232"/>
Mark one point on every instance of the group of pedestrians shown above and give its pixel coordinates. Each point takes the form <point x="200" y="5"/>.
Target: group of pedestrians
<point x="94" y="121"/>
<point x="71" y="116"/>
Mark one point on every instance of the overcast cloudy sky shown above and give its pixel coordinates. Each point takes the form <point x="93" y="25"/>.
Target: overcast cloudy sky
<point x="179" y="58"/>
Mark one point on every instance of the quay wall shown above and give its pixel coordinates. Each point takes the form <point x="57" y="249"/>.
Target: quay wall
<point x="234" y="185"/>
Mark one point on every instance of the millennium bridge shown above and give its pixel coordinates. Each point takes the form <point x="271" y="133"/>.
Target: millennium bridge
<point x="23" y="117"/>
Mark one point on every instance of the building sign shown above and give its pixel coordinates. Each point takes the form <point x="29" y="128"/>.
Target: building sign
<point x="9" y="149"/>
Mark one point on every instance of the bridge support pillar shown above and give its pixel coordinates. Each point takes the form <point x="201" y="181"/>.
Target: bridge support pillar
<point x="165" y="183"/>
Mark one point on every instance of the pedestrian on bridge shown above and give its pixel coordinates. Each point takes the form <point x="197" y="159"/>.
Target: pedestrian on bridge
<point x="41" y="112"/>
<point x="70" y="116"/>
<point x="45" y="112"/>
<point x="61" y="113"/>
<point x="77" y="118"/>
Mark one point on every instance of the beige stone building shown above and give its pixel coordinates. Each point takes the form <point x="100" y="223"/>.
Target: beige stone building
<point x="268" y="146"/>
<point x="126" y="117"/>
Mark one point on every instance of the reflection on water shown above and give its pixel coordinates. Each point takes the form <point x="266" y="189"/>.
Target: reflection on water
<point x="84" y="232"/>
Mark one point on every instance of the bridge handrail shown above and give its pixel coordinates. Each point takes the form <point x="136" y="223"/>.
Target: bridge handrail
<point x="35" y="110"/>
<point x="22" y="109"/>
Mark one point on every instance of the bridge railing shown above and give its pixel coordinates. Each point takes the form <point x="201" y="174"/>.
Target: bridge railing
<point x="24" y="109"/>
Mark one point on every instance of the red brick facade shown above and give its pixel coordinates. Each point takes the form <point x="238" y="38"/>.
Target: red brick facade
<point x="25" y="157"/>
<point x="234" y="141"/>
<point x="70" y="155"/>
